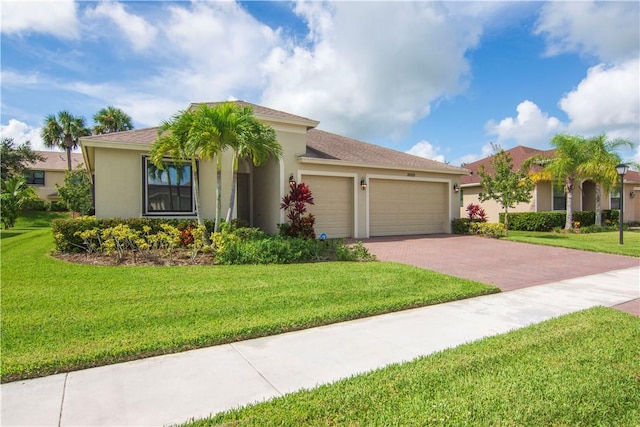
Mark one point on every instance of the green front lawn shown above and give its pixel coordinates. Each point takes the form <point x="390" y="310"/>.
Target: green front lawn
<point x="580" y="369"/>
<point x="607" y="242"/>
<point x="38" y="219"/>
<point x="58" y="316"/>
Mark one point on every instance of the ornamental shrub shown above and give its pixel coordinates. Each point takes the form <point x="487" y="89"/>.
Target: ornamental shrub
<point x="66" y="239"/>
<point x="487" y="229"/>
<point x="460" y="225"/>
<point x="535" y="221"/>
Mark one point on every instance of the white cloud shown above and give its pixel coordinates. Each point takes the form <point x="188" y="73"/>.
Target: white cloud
<point x="21" y="132"/>
<point x="486" y="151"/>
<point x="531" y="127"/>
<point x="140" y="33"/>
<point x="426" y="150"/>
<point x="55" y="17"/>
<point x="607" y="100"/>
<point x="371" y="67"/>
<point x="608" y="30"/>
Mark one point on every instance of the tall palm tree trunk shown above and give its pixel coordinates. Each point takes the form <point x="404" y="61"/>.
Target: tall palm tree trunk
<point x="196" y="189"/>
<point x="218" y="190"/>
<point x="234" y="185"/>
<point x="598" y="204"/>
<point x="569" y="188"/>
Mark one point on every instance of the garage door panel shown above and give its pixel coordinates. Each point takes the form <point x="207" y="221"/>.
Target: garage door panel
<point x="333" y="204"/>
<point x="399" y="207"/>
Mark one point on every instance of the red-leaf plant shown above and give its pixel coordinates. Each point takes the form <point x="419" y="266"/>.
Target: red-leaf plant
<point x="476" y="213"/>
<point x="295" y="204"/>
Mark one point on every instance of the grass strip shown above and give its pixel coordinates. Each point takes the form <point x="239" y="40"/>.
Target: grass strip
<point x="606" y="242"/>
<point x="579" y="369"/>
<point x="58" y="317"/>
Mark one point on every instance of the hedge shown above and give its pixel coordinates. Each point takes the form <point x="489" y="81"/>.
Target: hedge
<point x="547" y="221"/>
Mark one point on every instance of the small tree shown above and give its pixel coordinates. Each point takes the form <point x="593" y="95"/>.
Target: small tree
<point x="16" y="159"/>
<point x="15" y="193"/>
<point x="77" y="191"/>
<point x="295" y="203"/>
<point x="504" y="185"/>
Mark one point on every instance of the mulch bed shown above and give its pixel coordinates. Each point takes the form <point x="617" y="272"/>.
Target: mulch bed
<point x="131" y="259"/>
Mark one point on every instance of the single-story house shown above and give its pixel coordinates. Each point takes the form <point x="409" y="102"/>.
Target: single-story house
<point x="44" y="175"/>
<point x="546" y="196"/>
<point x="360" y="189"/>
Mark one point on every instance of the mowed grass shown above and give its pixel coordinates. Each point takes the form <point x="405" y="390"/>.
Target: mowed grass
<point x="58" y="316"/>
<point x="607" y="242"/>
<point x="580" y="369"/>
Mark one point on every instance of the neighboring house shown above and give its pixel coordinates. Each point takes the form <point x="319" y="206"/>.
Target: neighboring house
<point x="44" y="175"/>
<point x="360" y="189"/>
<point x="546" y="196"/>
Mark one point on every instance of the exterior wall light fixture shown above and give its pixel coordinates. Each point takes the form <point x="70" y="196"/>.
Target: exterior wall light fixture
<point x="363" y="184"/>
<point x="456" y="188"/>
<point x="292" y="180"/>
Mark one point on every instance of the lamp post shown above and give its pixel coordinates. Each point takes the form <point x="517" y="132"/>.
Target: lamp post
<point x="622" y="171"/>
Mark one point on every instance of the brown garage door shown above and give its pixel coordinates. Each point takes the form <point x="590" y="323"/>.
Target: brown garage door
<point x="407" y="207"/>
<point x="333" y="208"/>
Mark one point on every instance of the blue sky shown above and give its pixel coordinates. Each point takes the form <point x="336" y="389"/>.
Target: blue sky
<point x="438" y="79"/>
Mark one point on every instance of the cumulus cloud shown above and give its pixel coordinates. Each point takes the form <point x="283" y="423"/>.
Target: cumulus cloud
<point x="607" y="100"/>
<point x="486" y="151"/>
<point x="359" y="81"/>
<point x="21" y="132"/>
<point x="607" y="30"/>
<point x="426" y="150"/>
<point x="531" y="127"/>
<point x="55" y="17"/>
<point x="138" y="31"/>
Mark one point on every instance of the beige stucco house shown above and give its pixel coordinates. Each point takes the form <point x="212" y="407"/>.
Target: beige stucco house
<point x="546" y="196"/>
<point x="360" y="189"/>
<point x="44" y="175"/>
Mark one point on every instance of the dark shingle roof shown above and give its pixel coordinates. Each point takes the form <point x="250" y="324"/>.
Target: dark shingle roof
<point x="325" y="145"/>
<point x="519" y="154"/>
<point x="320" y="144"/>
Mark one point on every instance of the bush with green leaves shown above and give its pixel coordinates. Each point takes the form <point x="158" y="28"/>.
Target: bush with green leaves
<point x="460" y="226"/>
<point x="77" y="191"/>
<point x="549" y="220"/>
<point x="487" y="229"/>
<point x="15" y="194"/>
<point x="66" y="239"/>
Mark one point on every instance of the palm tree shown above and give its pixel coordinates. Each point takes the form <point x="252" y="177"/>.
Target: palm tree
<point x="571" y="152"/>
<point x="601" y="166"/>
<point x="256" y="141"/>
<point x="216" y="128"/>
<point x="63" y="132"/>
<point x="111" y="119"/>
<point x="15" y="193"/>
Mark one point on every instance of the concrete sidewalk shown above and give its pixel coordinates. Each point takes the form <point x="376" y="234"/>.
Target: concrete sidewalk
<point x="174" y="388"/>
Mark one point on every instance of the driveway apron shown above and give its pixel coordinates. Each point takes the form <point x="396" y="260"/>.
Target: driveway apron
<point x="508" y="265"/>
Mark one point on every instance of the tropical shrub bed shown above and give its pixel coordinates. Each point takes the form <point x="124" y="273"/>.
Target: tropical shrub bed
<point x="176" y="242"/>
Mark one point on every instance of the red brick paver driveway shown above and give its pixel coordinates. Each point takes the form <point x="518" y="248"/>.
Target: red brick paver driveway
<point x="508" y="265"/>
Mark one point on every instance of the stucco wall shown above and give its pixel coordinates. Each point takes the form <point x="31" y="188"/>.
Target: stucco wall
<point x="118" y="183"/>
<point x="491" y="207"/>
<point x="51" y="178"/>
